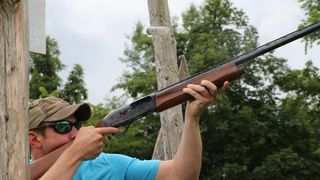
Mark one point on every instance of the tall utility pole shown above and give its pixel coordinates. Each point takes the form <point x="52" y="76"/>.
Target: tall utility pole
<point x="167" y="74"/>
<point x="13" y="90"/>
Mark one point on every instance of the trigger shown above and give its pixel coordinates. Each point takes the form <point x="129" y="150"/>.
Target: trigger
<point x="123" y="129"/>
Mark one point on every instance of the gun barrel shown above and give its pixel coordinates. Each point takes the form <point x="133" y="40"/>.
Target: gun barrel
<point x="276" y="43"/>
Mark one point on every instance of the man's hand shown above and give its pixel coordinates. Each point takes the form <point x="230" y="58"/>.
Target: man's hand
<point x="203" y="94"/>
<point x="88" y="144"/>
<point x="90" y="141"/>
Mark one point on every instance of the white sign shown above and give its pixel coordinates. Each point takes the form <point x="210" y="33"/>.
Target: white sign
<point x="37" y="29"/>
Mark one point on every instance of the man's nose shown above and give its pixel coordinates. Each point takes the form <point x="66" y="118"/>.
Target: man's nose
<point x="73" y="132"/>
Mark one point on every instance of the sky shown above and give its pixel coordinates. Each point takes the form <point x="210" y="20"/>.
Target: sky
<point x="93" y="33"/>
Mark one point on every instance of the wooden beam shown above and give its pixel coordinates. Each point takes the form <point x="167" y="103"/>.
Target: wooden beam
<point x="183" y="72"/>
<point x="13" y="90"/>
<point x="167" y="74"/>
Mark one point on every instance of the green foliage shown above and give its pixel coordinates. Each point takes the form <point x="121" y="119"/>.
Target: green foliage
<point x="303" y="82"/>
<point x="43" y="70"/>
<point x="74" y="90"/>
<point x="248" y="126"/>
<point x="44" y="92"/>
<point x="214" y="33"/>
<point x="286" y="164"/>
<point x="141" y="79"/>
<point x="312" y="11"/>
<point x="44" y="78"/>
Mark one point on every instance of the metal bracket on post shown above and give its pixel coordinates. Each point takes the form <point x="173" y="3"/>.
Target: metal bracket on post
<point x="158" y="30"/>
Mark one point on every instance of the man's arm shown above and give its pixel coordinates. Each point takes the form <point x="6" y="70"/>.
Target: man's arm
<point x="88" y="144"/>
<point x="187" y="161"/>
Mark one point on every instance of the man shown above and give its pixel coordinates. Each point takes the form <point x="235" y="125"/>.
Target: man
<point x="53" y="123"/>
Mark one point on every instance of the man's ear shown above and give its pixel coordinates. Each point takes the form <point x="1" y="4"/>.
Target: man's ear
<point x="35" y="139"/>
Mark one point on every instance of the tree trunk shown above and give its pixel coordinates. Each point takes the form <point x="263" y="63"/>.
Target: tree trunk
<point x="13" y="90"/>
<point x="166" y="68"/>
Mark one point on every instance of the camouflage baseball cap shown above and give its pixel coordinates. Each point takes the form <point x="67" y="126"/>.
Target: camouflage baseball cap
<point x="55" y="109"/>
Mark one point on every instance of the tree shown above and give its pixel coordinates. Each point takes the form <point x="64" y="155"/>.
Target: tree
<point x="312" y="11"/>
<point x="214" y="33"/>
<point x="297" y="152"/>
<point x="74" y="90"/>
<point x="141" y="79"/>
<point x="45" y="81"/>
<point x="43" y="71"/>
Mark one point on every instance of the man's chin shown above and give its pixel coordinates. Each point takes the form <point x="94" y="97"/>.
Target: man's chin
<point x="61" y="147"/>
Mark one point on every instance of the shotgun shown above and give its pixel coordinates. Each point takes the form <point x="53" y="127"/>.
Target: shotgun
<point x="173" y="95"/>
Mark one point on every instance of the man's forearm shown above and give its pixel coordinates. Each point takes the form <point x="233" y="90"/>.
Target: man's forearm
<point x="187" y="162"/>
<point x="189" y="155"/>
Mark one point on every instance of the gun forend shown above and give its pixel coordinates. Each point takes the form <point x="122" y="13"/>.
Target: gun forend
<point x="173" y="95"/>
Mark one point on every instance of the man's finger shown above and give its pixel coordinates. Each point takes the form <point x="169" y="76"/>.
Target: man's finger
<point x="193" y="93"/>
<point x="225" y="86"/>
<point x="200" y="89"/>
<point x="107" y="130"/>
<point x="210" y="86"/>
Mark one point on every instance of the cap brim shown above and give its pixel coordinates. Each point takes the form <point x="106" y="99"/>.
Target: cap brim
<point x="82" y="112"/>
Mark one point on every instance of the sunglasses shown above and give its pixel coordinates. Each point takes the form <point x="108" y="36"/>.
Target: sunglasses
<point x="61" y="127"/>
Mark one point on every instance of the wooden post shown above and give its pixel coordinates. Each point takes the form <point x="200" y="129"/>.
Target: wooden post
<point x="183" y="71"/>
<point x="13" y="90"/>
<point x="166" y="68"/>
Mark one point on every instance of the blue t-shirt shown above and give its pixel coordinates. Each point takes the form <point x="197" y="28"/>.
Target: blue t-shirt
<point x="117" y="167"/>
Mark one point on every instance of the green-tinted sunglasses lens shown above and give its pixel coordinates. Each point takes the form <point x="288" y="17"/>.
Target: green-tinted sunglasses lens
<point x="63" y="126"/>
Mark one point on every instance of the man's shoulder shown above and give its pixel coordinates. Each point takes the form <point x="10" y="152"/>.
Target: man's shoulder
<point x="106" y="166"/>
<point x="108" y="159"/>
<point x="117" y="166"/>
